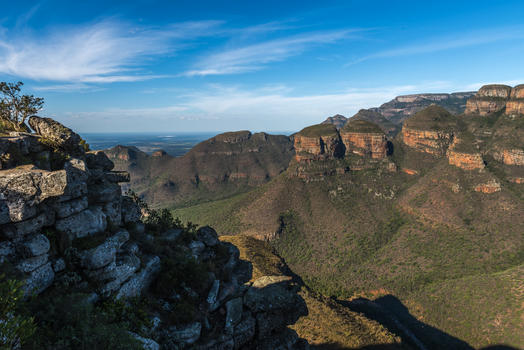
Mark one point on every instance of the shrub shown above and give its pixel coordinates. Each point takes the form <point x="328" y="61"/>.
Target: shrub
<point x="15" y="328"/>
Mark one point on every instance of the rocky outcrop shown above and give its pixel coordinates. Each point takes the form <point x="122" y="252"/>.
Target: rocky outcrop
<point x="510" y="156"/>
<point x="71" y="230"/>
<point x="488" y="187"/>
<point x="430" y="130"/>
<point x="466" y="161"/>
<point x="338" y="120"/>
<point x="494" y="98"/>
<point x="57" y="134"/>
<point x="364" y="138"/>
<point x="463" y="153"/>
<point x="317" y="142"/>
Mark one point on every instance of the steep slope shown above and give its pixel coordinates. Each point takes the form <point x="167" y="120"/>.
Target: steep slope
<point x="222" y="166"/>
<point x="452" y="213"/>
<point x="328" y="325"/>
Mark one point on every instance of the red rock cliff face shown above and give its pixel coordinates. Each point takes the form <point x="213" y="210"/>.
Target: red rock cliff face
<point x="427" y="141"/>
<point x="466" y="161"/>
<point x="484" y="107"/>
<point x="510" y="157"/>
<point x="489" y="99"/>
<point x="317" y="148"/>
<point x="515" y="106"/>
<point x="373" y="145"/>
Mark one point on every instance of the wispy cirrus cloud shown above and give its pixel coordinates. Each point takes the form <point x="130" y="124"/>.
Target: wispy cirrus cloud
<point x="448" y="43"/>
<point x="253" y="57"/>
<point x="225" y="107"/>
<point x="102" y="52"/>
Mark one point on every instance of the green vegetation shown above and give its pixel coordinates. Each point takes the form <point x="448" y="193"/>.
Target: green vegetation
<point x="319" y="130"/>
<point x="356" y="125"/>
<point x="432" y="118"/>
<point x="328" y="325"/>
<point x="15" y="328"/>
<point x="71" y="321"/>
<point x="16" y="108"/>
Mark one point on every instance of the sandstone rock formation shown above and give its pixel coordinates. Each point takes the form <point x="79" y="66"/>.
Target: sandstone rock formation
<point x="510" y="156"/>
<point x="430" y="130"/>
<point x="466" y="161"/>
<point x="494" y="98"/>
<point x="364" y="139"/>
<point x="321" y="141"/>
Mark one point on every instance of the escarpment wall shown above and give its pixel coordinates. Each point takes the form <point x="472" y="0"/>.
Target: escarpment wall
<point x="494" y="98"/>
<point x="373" y="145"/>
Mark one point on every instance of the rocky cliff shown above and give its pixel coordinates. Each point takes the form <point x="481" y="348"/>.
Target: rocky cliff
<point x="430" y="130"/>
<point x="67" y="230"/>
<point x="364" y="139"/>
<point x="316" y="142"/>
<point x="402" y="107"/>
<point x="495" y="98"/>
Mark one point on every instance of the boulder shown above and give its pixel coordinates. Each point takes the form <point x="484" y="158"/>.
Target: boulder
<point x="147" y="344"/>
<point x="87" y="222"/>
<point x="104" y="192"/>
<point x="113" y="211"/>
<point x="117" y="273"/>
<point x="130" y="210"/>
<point x="99" y="160"/>
<point x="17" y="230"/>
<point x="68" y="208"/>
<point x="140" y="281"/>
<point x="7" y="250"/>
<point x="36" y="245"/>
<point x="185" y="335"/>
<point x="208" y="236"/>
<point x="233" y="313"/>
<point x="31" y="264"/>
<point x="57" y="134"/>
<point x="244" y="332"/>
<point x="39" y="279"/>
<point x="105" y="253"/>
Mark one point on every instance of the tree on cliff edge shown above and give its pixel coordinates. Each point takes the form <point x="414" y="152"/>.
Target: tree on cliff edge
<point x="16" y="108"/>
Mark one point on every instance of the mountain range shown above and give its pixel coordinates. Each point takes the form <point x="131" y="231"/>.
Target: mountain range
<point x="429" y="220"/>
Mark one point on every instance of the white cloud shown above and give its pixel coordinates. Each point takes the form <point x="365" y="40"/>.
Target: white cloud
<point x="256" y="56"/>
<point x="448" y="43"/>
<point x="102" y="52"/>
<point x="233" y="108"/>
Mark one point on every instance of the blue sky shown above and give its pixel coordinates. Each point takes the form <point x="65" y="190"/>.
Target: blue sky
<point x="158" y="66"/>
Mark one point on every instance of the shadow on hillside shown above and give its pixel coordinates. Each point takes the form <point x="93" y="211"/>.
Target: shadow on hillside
<point x="331" y="346"/>
<point x="392" y="314"/>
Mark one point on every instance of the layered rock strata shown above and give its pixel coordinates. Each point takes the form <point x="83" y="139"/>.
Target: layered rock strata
<point x="364" y="139"/>
<point x="494" y="98"/>
<point x="430" y="130"/>
<point x="318" y="142"/>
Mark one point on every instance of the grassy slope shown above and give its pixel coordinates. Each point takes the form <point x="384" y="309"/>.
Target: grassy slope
<point x="429" y="239"/>
<point x="402" y="246"/>
<point x="328" y="325"/>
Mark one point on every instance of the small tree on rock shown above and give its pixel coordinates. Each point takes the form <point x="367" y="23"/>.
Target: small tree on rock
<point x="16" y="108"/>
